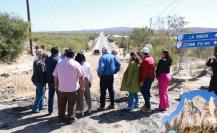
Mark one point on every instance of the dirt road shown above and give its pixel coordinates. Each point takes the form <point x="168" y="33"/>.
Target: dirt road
<point x="16" y="116"/>
<point x="17" y="92"/>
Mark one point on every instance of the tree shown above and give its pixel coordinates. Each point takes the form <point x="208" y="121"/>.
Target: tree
<point x="176" y="24"/>
<point x="139" y="37"/>
<point x="13" y="32"/>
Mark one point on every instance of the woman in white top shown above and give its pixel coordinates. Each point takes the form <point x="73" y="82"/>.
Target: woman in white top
<point x="88" y="78"/>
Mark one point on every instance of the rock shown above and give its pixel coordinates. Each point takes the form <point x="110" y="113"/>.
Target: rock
<point x="195" y="118"/>
<point x="5" y="75"/>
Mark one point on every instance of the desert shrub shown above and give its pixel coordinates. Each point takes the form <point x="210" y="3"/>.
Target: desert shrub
<point x="13" y="32"/>
<point x="77" y="41"/>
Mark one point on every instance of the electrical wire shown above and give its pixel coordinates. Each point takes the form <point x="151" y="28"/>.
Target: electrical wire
<point x="167" y="7"/>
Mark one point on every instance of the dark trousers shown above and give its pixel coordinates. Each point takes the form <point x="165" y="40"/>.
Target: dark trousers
<point x="51" y="93"/>
<point x="213" y="84"/>
<point x="106" y="82"/>
<point x="69" y="99"/>
<point x="145" y="90"/>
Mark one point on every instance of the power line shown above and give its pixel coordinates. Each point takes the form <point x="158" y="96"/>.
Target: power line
<point x="167" y="7"/>
<point x="177" y="4"/>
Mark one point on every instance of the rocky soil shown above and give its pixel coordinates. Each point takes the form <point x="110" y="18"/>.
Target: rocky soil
<point x="17" y="92"/>
<point x="197" y="116"/>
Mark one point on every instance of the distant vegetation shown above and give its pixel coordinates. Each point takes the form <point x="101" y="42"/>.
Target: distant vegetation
<point x="13" y="33"/>
<point x="163" y="38"/>
<point x="77" y="41"/>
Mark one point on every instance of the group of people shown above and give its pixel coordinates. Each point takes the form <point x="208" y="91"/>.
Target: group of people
<point x="71" y="78"/>
<point x="140" y="75"/>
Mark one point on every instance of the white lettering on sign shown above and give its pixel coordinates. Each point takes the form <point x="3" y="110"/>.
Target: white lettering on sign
<point x="191" y="44"/>
<point x="191" y="37"/>
<point x="207" y="43"/>
<point x="202" y="36"/>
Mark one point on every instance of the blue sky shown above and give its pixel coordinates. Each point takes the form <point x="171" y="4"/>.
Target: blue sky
<point x="55" y="15"/>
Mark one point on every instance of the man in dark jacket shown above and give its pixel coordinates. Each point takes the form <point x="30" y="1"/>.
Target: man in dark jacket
<point x="213" y="82"/>
<point x="51" y="63"/>
<point x="39" y="80"/>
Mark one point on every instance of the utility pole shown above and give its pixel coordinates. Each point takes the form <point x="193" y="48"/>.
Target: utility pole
<point x="149" y="40"/>
<point x="215" y="51"/>
<point x="30" y="29"/>
<point x="128" y="45"/>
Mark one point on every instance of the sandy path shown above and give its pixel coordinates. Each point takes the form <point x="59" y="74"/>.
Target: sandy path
<point x="16" y="116"/>
<point x="22" y="64"/>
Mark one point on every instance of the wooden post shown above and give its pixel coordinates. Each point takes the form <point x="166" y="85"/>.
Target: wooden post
<point x="215" y="51"/>
<point x="180" y="61"/>
<point x="30" y="29"/>
<point x="128" y="46"/>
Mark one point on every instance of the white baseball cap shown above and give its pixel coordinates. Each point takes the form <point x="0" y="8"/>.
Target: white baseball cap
<point x="145" y="50"/>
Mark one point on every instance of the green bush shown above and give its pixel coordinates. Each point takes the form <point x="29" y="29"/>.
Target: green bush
<point x="13" y="32"/>
<point x="77" y="41"/>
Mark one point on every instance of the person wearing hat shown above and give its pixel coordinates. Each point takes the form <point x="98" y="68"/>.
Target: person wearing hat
<point x="146" y="77"/>
<point x="164" y="77"/>
<point x="212" y="62"/>
<point x="51" y="63"/>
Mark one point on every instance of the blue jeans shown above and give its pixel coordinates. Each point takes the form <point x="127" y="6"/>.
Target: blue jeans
<point x="145" y="90"/>
<point x="133" y="100"/>
<point x="51" y="93"/>
<point x="39" y="99"/>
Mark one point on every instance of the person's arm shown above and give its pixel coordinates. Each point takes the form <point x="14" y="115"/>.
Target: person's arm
<point x="81" y="83"/>
<point x="209" y="63"/>
<point x="42" y="72"/>
<point x="90" y="75"/>
<point x="158" y="68"/>
<point x="101" y="67"/>
<point x="130" y="72"/>
<point x="56" y="83"/>
<point x="117" y="66"/>
<point x="55" y="76"/>
<point x="143" y="72"/>
<point x="81" y="77"/>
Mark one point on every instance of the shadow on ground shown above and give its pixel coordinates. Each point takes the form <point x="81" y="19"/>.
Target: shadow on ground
<point x="21" y="116"/>
<point x="119" y="115"/>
